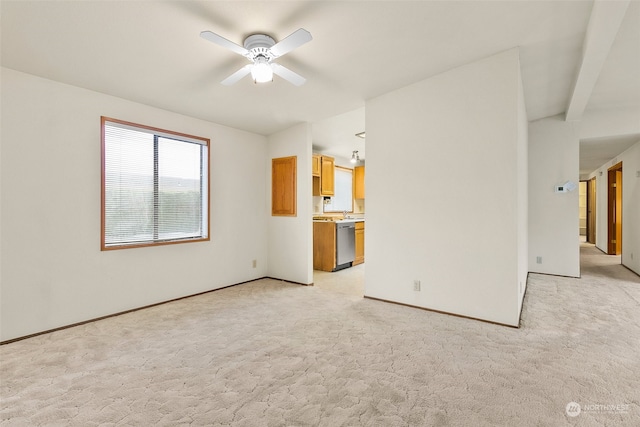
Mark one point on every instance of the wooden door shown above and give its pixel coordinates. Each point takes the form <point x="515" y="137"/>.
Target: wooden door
<point x="591" y="211"/>
<point x="615" y="210"/>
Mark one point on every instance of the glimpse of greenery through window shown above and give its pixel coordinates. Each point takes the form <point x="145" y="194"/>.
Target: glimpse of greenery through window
<point x="154" y="186"/>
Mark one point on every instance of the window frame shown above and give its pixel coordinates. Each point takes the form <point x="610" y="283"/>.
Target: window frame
<point x="160" y="133"/>
<point x="335" y="181"/>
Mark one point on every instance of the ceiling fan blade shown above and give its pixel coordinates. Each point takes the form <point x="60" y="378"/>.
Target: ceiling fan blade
<point x="221" y="41"/>
<point x="235" y="77"/>
<point x="287" y="74"/>
<point x="294" y="40"/>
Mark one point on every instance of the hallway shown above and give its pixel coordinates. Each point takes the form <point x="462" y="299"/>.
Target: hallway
<point x="600" y="267"/>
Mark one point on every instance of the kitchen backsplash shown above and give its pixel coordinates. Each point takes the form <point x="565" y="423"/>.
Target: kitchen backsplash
<point x="358" y="208"/>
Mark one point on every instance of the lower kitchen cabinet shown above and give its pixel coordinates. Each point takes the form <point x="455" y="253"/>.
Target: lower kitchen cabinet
<point x="359" y="259"/>
<point x="329" y="235"/>
<point x="324" y="246"/>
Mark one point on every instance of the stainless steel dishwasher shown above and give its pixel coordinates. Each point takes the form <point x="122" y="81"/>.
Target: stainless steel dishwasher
<point x="345" y="244"/>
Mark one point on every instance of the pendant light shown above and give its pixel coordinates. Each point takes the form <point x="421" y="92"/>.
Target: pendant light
<point x="355" y="158"/>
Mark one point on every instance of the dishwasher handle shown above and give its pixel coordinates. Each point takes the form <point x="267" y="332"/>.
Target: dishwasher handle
<point x="349" y="225"/>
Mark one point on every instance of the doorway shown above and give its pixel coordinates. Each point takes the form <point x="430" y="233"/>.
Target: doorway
<point x="614" y="208"/>
<point x="591" y="211"/>
<point x="583" y="210"/>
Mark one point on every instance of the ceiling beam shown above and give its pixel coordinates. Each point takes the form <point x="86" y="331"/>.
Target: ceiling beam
<point x="604" y="23"/>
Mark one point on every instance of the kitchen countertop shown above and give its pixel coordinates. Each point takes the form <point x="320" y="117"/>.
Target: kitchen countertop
<point x="342" y="221"/>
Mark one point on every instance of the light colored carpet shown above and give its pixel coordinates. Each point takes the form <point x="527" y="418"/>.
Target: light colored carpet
<point x="270" y="353"/>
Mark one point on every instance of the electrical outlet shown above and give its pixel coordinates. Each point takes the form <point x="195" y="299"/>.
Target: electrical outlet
<point x="416" y="285"/>
<point x="255" y="263"/>
<point x="538" y="260"/>
<point x="631" y="255"/>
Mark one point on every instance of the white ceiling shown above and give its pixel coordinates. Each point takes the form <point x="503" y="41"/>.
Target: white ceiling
<point x="336" y="136"/>
<point x="595" y="152"/>
<point x="150" y="52"/>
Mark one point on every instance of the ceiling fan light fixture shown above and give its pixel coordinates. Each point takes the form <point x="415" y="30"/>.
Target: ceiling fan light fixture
<point x="261" y="50"/>
<point x="261" y="71"/>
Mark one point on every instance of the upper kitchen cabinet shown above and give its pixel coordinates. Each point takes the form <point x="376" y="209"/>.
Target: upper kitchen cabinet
<point x="315" y="165"/>
<point x="323" y="185"/>
<point x="358" y="182"/>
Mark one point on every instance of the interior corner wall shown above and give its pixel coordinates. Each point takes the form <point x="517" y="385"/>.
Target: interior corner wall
<point x="53" y="272"/>
<point x="553" y="217"/>
<point x="630" y="206"/>
<point x="602" y="212"/>
<point x="291" y="238"/>
<point x="1" y="198"/>
<point x="523" y="193"/>
<point x="442" y="192"/>
<point x="602" y="230"/>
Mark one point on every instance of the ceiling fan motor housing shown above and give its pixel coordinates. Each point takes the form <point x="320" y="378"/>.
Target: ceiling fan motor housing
<point x="259" y="45"/>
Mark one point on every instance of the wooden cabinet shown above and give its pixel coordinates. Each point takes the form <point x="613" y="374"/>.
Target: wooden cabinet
<point x="323" y="185"/>
<point x="283" y="186"/>
<point x="327" y="165"/>
<point x="359" y="258"/>
<point x="358" y="182"/>
<point x="324" y="246"/>
<point x="315" y="165"/>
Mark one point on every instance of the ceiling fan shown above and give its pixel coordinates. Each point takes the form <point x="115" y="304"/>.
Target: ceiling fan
<point x="261" y="50"/>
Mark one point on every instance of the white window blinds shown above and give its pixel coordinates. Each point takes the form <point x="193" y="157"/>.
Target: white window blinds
<point x="155" y="186"/>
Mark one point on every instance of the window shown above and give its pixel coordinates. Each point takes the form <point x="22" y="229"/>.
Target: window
<point x="343" y="198"/>
<point x="154" y="186"/>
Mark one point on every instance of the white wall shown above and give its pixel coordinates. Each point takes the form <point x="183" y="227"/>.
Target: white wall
<point x="52" y="270"/>
<point x="553" y="217"/>
<point x="449" y="147"/>
<point x="630" y="206"/>
<point x="291" y="238"/>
